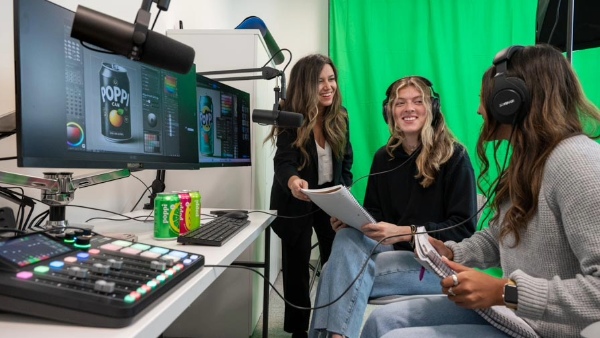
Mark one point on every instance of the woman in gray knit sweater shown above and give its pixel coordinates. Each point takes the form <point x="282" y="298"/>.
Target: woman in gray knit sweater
<point x="545" y="233"/>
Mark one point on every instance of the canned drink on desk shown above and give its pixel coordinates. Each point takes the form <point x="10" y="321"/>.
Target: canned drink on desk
<point x="195" y="209"/>
<point x="184" y="212"/>
<point x="166" y="216"/>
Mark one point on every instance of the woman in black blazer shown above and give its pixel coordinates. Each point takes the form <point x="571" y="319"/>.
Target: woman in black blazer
<point x="316" y="155"/>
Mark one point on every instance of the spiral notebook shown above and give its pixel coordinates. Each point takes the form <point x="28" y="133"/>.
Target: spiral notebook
<point x="338" y="202"/>
<point x="500" y="317"/>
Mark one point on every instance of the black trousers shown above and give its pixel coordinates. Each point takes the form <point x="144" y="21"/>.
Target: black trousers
<point x="296" y="274"/>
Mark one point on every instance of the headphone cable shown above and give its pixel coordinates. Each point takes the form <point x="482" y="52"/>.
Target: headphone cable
<point x="414" y="153"/>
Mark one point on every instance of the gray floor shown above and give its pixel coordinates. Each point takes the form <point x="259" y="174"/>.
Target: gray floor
<point x="276" y="310"/>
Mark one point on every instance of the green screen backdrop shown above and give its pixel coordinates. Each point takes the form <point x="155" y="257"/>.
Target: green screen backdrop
<point x="452" y="43"/>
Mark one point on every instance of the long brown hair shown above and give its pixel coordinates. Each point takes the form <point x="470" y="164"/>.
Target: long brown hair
<point x="303" y="98"/>
<point x="558" y="107"/>
<point x="437" y="142"/>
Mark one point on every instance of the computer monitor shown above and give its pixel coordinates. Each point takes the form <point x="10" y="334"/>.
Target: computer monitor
<point x="223" y="124"/>
<point x="80" y="108"/>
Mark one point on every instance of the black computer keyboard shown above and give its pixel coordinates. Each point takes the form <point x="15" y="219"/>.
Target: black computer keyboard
<point x="214" y="233"/>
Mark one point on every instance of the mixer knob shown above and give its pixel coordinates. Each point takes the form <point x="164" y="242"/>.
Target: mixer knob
<point x="156" y="265"/>
<point x="78" y="272"/>
<point x="101" y="268"/>
<point x="115" y="264"/>
<point x="73" y="270"/>
<point x="83" y="240"/>
<point x="104" y="286"/>
<point x="168" y="260"/>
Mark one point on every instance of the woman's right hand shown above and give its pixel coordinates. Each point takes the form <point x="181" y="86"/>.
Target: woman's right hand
<point x="295" y="184"/>
<point x="336" y="224"/>
<point x="441" y="248"/>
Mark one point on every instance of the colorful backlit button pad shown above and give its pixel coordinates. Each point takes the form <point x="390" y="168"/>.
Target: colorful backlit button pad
<point x="117" y="269"/>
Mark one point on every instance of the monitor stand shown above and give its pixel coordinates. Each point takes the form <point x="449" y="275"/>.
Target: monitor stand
<point x="158" y="185"/>
<point x="58" y="190"/>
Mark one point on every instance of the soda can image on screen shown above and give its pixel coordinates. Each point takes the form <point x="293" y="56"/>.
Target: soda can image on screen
<point x="114" y="102"/>
<point x="205" y="110"/>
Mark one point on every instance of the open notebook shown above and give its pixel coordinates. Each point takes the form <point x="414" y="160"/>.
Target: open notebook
<point x="499" y="316"/>
<point x="338" y="202"/>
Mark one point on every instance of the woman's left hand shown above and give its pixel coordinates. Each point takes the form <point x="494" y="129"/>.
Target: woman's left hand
<point x="472" y="289"/>
<point x="336" y="224"/>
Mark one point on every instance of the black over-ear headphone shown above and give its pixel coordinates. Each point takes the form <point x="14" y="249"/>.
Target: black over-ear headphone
<point x="510" y="99"/>
<point x="435" y="100"/>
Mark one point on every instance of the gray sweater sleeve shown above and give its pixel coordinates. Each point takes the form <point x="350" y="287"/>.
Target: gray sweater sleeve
<point x="557" y="264"/>
<point x="479" y="251"/>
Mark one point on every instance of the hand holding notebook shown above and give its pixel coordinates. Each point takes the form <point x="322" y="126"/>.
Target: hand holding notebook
<point x="428" y="256"/>
<point x="500" y="317"/>
<point x="338" y="202"/>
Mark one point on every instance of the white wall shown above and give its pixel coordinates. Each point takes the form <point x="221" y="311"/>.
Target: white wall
<point x="299" y="25"/>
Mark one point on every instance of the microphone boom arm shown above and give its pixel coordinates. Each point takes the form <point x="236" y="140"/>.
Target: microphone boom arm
<point x="261" y="116"/>
<point x="58" y="188"/>
<point x="267" y="73"/>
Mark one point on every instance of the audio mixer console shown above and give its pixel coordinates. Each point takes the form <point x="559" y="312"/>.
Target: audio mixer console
<point x="86" y="279"/>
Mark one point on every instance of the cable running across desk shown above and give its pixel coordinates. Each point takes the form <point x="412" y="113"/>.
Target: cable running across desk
<point x="215" y="232"/>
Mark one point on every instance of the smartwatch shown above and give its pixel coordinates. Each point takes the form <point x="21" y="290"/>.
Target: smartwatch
<point x="511" y="295"/>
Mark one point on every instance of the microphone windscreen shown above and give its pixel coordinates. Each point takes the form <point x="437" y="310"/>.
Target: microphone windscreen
<point x="289" y="119"/>
<point x="116" y="35"/>
<point x="280" y="118"/>
<point x="263" y="116"/>
<point x="166" y="53"/>
<point x="102" y="30"/>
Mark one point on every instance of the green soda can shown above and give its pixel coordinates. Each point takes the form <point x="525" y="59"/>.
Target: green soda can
<point x="166" y="216"/>
<point x="195" y="209"/>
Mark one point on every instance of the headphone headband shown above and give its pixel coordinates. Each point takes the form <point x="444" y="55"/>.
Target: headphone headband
<point x="435" y="99"/>
<point x="502" y="57"/>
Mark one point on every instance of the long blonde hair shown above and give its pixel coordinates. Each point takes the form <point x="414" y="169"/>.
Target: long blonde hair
<point x="437" y="142"/>
<point x="303" y="98"/>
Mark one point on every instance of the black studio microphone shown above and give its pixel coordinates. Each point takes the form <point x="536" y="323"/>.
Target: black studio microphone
<point x="277" y="117"/>
<point x="122" y="38"/>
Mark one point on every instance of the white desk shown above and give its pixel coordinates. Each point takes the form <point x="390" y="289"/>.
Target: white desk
<point x="158" y="316"/>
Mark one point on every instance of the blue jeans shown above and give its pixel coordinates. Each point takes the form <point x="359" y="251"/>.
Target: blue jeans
<point x="388" y="272"/>
<point x="427" y="317"/>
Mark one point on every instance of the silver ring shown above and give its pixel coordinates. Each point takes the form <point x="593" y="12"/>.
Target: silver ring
<point x="455" y="279"/>
<point x="450" y="292"/>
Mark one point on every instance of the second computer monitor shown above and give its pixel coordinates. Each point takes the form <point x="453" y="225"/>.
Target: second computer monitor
<point x="223" y="124"/>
